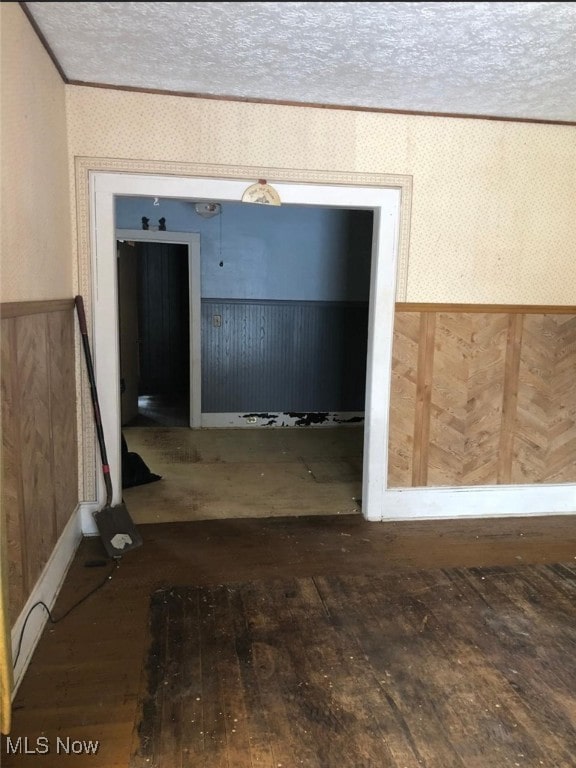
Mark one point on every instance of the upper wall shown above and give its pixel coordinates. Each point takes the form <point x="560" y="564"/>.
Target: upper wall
<point x="290" y="252"/>
<point x="35" y="217"/>
<point x="493" y="216"/>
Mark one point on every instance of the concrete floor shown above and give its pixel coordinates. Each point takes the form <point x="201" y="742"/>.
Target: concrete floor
<point x="234" y="473"/>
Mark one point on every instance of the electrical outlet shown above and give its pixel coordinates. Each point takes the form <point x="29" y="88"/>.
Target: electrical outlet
<point x="217" y="321"/>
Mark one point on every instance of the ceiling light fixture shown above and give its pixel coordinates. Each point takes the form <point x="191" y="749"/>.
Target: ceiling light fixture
<point x="207" y="210"/>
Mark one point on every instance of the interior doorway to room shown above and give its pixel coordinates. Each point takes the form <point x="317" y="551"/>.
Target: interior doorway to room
<point x="284" y="344"/>
<point x="153" y="309"/>
<point x="383" y="195"/>
<point x="158" y="327"/>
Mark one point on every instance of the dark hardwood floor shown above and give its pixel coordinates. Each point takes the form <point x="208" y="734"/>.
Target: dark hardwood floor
<point x="404" y="595"/>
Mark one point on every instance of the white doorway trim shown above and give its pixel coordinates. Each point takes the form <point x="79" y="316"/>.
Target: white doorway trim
<point x="384" y="201"/>
<point x="98" y="180"/>
<point x="192" y="241"/>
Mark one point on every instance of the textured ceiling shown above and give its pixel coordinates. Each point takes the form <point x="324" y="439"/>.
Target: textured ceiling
<point x="513" y="59"/>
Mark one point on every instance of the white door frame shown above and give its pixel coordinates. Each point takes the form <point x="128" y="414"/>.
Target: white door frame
<point x="99" y="181"/>
<point x="386" y="204"/>
<point x="192" y="241"/>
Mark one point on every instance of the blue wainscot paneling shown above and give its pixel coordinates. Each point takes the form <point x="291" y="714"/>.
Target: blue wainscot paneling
<point x="283" y="356"/>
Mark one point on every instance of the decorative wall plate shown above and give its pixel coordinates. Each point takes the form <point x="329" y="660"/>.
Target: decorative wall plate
<point x="261" y="193"/>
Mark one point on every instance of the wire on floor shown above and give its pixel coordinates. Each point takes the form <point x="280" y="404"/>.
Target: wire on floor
<point x="51" y="618"/>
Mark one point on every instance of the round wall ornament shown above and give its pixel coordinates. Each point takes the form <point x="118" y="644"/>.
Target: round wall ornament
<point x="261" y="193"/>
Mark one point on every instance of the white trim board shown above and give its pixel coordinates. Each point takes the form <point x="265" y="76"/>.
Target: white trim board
<point x="478" y="502"/>
<point x="46" y="589"/>
<point x="386" y="204"/>
<point x="192" y="241"/>
<point x="275" y="419"/>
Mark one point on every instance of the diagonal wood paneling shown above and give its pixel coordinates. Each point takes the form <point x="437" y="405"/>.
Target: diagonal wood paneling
<point x="403" y="398"/>
<point x="423" y="398"/>
<point x="448" y="399"/>
<point x="466" y="404"/>
<point x="488" y="345"/>
<point x="561" y="463"/>
<point x="544" y="448"/>
<point x="482" y="397"/>
<point x="510" y="396"/>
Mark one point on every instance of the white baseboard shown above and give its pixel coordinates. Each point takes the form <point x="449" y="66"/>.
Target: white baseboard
<point x="475" y="502"/>
<point x="279" y="419"/>
<point x="46" y="589"/>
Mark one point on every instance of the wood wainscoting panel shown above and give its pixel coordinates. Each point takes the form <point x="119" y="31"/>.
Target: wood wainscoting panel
<point x="510" y="397"/>
<point x="35" y="441"/>
<point x="12" y="501"/>
<point x="63" y="416"/>
<point x="481" y="397"/>
<point x="423" y="398"/>
<point x="544" y="449"/>
<point x="449" y="397"/>
<point x="403" y="398"/>
<point x="466" y="402"/>
<point x="39" y="444"/>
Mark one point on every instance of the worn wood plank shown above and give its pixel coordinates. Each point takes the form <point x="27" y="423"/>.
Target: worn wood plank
<point x="514" y="622"/>
<point x="232" y="711"/>
<point x="439" y="668"/>
<point x="388" y="627"/>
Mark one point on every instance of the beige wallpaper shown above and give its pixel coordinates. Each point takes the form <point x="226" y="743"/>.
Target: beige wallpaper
<point x="35" y="241"/>
<point x="494" y="203"/>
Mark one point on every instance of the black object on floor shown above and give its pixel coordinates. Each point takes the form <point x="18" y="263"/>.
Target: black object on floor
<point x="134" y="469"/>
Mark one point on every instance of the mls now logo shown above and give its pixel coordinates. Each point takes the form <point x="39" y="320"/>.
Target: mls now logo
<point x="26" y="746"/>
<point x="70" y="746"/>
<point x="23" y="745"/>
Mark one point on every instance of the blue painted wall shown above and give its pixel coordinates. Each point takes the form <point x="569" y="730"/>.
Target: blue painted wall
<point x="289" y="252"/>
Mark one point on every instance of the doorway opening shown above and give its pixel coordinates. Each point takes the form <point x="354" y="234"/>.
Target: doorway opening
<point x="284" y="340"/>
<point x="157" y="286"/>
<point x="153" y="309"/>
<point x="326" y="190"/>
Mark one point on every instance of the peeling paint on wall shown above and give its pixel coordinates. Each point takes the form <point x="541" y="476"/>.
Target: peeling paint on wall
<point x="285" y="419"/>
<point x="306" y="419"/>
